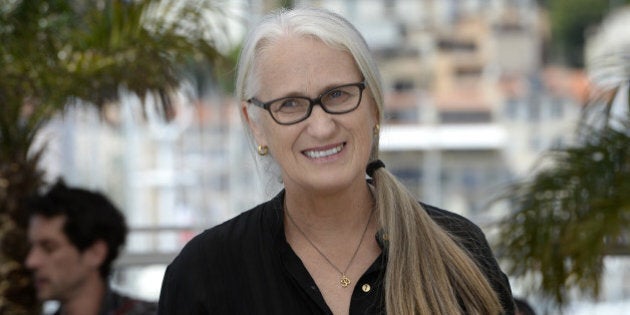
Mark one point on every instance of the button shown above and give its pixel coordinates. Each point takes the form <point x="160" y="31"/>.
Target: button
<point x="366" y="288"/>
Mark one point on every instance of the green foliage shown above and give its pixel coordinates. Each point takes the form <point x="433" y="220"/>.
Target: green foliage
<point x="19" y="179"/>
<point x="286" y="3"/>
<point x="28" y="68"/>
<point x="574" y="211"/>
<point x="53" y="52"/>
<point x="571" y="21"/>
<point x="123" y="46"/>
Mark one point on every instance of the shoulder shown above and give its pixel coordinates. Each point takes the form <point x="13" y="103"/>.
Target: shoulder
<point x="237" y="231"/>
<point x="125" y="305"/>
<point x="457" y="225"/>
<point x="222" y="239"/>
<point x="213" y="261"/>
<point x="472" y="239"/>
<point x="467" y="234"/>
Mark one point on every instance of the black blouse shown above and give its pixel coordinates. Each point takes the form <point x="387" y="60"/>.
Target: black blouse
<point x="246" y="266"/>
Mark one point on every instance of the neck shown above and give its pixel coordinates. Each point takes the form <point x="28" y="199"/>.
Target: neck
<point x="87" y="299"/>
<point x="344" y="211"/>
<point x="331" y="235"/>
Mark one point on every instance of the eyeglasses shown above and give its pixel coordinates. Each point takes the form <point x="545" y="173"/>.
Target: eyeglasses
<point x="293" y="109"/>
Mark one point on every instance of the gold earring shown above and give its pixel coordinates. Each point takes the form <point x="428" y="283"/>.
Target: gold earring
<point x="377" y="128"/>
<point x="262" y="150"/>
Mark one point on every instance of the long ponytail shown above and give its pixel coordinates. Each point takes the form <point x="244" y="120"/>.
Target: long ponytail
<point x="427" y="271"/>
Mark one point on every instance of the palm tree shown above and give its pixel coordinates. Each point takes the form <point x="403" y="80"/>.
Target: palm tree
<point x="56" y="53"/>
<point x="575" y="210"/>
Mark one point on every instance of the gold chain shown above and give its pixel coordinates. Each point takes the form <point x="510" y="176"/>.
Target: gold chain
<point x="344" y="280"/>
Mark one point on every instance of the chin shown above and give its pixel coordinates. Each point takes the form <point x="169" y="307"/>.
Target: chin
<point x="331" y="184"/>
<point x="44" y="297"/>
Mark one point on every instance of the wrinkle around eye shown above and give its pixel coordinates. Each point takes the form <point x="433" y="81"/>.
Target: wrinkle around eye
<point x="49" y="246"/>
<point x="290" y="104"/>
<point x="337" y="97"/>
<point x="337" y="94"/>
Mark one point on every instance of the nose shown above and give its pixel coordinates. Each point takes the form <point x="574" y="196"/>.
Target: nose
<point x="32" y="259"/>
<point x="321" y="123"/>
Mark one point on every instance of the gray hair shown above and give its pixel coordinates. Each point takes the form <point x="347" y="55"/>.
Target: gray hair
<point x="419" y="249"/>
<point x="329" y="27"/>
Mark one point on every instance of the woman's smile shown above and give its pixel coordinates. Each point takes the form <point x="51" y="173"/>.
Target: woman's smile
<point x="324" y="152"/>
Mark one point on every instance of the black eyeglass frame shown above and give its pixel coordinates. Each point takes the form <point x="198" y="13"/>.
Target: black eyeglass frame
<point x="312" y="102"/>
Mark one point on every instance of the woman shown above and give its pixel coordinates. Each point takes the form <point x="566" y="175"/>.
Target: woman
<point x="331" y="242"/>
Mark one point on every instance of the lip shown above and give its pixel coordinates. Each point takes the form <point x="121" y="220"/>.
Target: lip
<point x="40" y="281"/>
<point x="324" y="152"/>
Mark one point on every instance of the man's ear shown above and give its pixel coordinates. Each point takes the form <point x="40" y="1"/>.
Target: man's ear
<point x="96" y="254"/>
<point x="254" y="126"/>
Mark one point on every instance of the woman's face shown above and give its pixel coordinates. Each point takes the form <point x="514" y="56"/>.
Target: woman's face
<point x="325" y="152"/>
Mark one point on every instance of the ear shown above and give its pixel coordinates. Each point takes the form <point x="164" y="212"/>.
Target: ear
<point x="254" y="125"/>
<point x="375" y="115"/>
<point x="374" y="108"/>
<point x="95" y="254"/>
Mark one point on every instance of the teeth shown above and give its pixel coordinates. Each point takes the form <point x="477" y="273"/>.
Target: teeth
<point x="325" y="153"/>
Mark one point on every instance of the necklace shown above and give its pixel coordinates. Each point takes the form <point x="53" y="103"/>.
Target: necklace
<point x="344" y="280"/>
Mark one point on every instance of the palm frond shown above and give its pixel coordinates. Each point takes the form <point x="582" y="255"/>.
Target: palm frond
<point x="571" y="213"/>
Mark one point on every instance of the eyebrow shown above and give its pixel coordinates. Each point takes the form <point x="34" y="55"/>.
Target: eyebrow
<point x="46" y="241"/>
<point x="326" y="88"/>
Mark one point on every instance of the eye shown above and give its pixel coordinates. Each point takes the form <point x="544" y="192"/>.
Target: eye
<point x="289" y="105"/>
<point x="49" y="247"/>
<point x="336" y="94"/>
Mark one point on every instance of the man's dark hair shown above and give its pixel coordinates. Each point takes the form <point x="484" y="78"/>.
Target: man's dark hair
<point x="89" y="217"/>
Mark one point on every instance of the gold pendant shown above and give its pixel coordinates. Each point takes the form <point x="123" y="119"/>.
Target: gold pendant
<point x="344" y="281"/>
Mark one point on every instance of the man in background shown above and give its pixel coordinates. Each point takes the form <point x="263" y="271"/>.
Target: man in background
<point x="75" y="235"/>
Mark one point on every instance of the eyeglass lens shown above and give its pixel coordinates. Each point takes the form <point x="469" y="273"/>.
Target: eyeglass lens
<point x="335" y="101"/>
